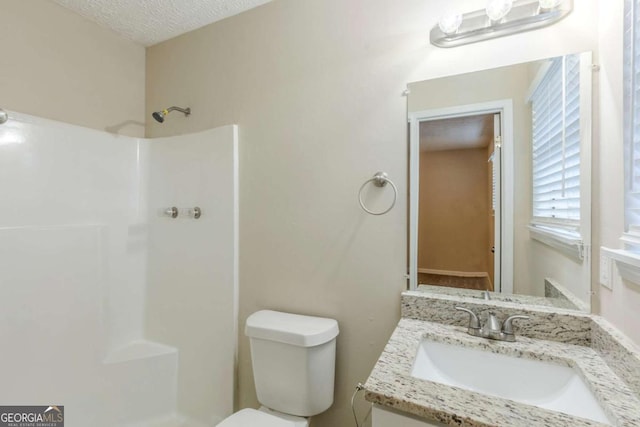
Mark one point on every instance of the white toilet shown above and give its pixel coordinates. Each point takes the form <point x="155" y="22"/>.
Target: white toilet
<point x="293" y="359"/>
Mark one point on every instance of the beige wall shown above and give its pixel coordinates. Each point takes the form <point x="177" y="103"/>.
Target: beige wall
<point x="622" y="304"/>
<point x="454" y="211"/>
<point x="316" y="89"/>
<point x="58" y="65"/>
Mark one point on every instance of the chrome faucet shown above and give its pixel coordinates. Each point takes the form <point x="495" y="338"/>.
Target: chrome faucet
<point x="492" y="329"/>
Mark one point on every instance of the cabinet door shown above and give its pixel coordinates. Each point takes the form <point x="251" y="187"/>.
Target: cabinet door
<point x="383" y="417"/>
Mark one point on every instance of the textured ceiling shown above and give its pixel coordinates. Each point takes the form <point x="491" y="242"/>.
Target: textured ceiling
<point x="457" y="133"/>
<point x="152" y="21"/>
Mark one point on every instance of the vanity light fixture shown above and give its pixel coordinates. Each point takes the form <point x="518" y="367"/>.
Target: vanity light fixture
<point x="498" y="9"/>
<point x="549" y="4"/>
<point x="450" y="22"/>
<point x="499" y="18"/>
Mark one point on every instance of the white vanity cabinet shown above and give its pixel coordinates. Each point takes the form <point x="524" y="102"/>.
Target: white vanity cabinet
<point x="383" y="417"/>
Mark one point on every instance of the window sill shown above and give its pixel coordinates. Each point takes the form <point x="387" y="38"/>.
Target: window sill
<point x="570" y="245"/>
<point x="631" y="240"/>
<point x="628" y="263"/>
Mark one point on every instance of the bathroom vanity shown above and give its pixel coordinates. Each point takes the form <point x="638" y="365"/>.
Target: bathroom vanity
<point x="511" y="250"/>
<point x="565" y="368"/>
<point x="384" y="417"/>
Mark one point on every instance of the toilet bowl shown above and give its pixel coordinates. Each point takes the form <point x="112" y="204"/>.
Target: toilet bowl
<point x="293" y="359"/>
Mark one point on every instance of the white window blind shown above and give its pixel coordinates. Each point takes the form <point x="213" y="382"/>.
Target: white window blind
<point x="632" y="115"/>
<point x="556" y="144"/>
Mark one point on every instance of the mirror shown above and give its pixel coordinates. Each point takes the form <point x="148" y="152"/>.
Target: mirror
<point x="500" y="183"/>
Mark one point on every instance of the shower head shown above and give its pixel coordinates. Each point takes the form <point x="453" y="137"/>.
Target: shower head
<point x="159" y="115"/>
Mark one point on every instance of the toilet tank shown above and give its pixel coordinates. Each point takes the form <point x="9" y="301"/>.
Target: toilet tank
<point x="293" y="358"/>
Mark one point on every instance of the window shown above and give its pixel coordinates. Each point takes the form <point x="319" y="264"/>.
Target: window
<point x="632" y="116"/>
<point x="555" y="104"/>
<point x="628" y="259"/>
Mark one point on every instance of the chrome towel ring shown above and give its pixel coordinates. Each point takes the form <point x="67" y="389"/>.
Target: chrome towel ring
<point x="380" y="179"/>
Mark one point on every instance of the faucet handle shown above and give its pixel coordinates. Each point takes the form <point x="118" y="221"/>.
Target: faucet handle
<point x="474" y="322"/>
<point x="507" y="326"/>
<point x="492" y="323"/>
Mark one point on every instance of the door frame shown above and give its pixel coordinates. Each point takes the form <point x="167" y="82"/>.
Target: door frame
<point x="504" y="107"/>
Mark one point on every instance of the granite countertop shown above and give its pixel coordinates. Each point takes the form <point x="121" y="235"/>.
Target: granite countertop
<point x="566" y="301"/>
<point x="390" y="383"/>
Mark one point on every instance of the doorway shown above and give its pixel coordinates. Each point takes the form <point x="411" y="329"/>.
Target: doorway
<point x="457" y="202"/>
<point x="461" y="210"/>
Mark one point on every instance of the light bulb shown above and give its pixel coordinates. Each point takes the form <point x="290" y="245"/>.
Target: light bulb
<point x="549" y="4"/>
<point x="498" y="9"/>
<point x="450" y="22"/>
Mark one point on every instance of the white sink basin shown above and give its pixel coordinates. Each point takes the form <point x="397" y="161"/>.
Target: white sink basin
<point x="542" y="384"/>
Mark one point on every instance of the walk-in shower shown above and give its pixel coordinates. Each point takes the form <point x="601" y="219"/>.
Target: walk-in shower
<point x="90" y="226"/>
<point x="159" y="115"/>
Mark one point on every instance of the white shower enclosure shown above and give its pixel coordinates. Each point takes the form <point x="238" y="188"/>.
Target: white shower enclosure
<point x="109" y="307"/>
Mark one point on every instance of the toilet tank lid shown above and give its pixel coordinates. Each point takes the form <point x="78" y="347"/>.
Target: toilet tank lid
<point x="293" y="329"/>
